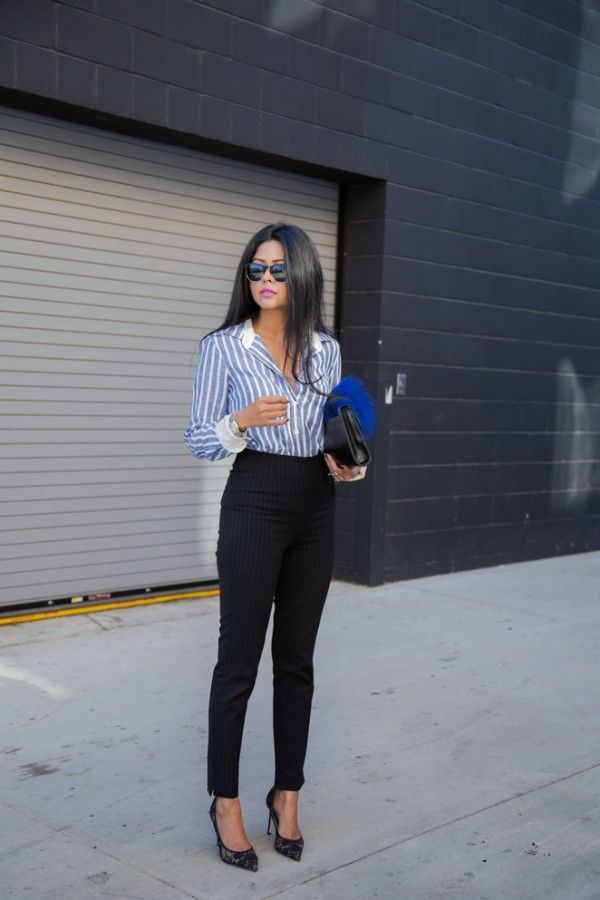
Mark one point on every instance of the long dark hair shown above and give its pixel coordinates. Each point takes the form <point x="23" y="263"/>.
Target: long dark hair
<point x="304" y="292"/>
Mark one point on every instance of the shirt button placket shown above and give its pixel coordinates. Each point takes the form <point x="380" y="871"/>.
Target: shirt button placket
<point x="294" y="407"/>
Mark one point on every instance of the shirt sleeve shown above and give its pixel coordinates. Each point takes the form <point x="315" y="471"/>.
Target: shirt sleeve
<point x="336" y="368"/>
<point x="207" y="433"/>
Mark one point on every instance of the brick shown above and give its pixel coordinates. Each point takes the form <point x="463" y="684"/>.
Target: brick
<point x="228" y="79"/>
<point x="397" y="127"/>
<point x="274" y="134"/>
<point x="384" y="49"/>
<point x="337" y="5"/>
<point x="244" y="9"/>
<point x="361" y="343"/>
<point x="315" y="65"/>
<point x="339" y="111"/>
<point x="115" y="91"/>
<point x="184" y="110"/>
<point x="344" y="35"/>
<point x="392" y="51"/>
<point x="77" y="82"/>
<point x="89" y="5"/>
<point x="417" y="22"/>
<point x="362" y="156"/>
<point x="287" y="96"/>
<point x="148" y="14"/>
<point x="199" y="26"/>
<point x="164" y="60"/>
<point x="460" y="40"/>
<point x="330" y="148"/>
<point x="558" y="14"/>
<point x="8" y="55"/>
<point x="551" y="108"/>
<point x="96" y="39"/>
<point x="36" y="70"/>
<point x="300" y="19"/>
<point x="446" y="7"/>
<point x="215" y="119"/>
<point x="259" y="47"/>
<point x="514" y="26"/>
<point x="411" y="95"/>
<point x="34" y="25"/>
<point x="245" y="126"/>
<point x="362" y="307"/>
<point x="303" y="141"/>
<point x="364" y="238"/>
<point x="381" y="14"/>
<point x="455" y="74"/>
<point x="556" y="45"/>
<point x="365" y="201"/>
<point x="149" y="100"/>
<point x="363" y="80"/>
<point x="487" y="15"/>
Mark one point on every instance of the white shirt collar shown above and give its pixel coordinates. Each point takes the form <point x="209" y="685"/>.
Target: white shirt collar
<point x="248" y="335"/>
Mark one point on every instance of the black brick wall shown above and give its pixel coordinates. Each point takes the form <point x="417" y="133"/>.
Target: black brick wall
<point x="465" y="135"/>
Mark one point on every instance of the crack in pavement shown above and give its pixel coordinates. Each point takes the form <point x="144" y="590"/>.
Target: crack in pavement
<point x="412" y="837"/>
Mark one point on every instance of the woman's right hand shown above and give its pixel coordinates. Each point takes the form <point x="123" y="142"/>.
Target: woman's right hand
<point x="263" y="411"/>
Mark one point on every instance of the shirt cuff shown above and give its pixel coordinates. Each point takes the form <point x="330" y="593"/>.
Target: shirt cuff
<point x="359" y="475"/>
<point x="227" y="438"/>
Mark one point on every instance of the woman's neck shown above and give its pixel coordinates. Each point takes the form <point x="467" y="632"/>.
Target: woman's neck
<point x="270" y="324"/>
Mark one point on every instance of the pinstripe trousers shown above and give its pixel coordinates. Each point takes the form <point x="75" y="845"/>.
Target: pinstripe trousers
<point x="275" y="547"/>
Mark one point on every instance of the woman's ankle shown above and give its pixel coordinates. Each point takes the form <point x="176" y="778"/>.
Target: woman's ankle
<point x="287" y="797"/>
<point x="227" y="803"/>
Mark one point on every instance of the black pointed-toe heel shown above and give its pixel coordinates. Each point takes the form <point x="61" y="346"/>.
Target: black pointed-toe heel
<point x="292" y="848"/>
<point x="245" y="859"/>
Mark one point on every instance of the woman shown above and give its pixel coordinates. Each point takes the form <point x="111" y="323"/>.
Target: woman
<point x="260" y="387"/>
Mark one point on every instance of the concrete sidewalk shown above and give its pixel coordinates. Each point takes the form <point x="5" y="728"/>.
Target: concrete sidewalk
<point x="454" y="749"/>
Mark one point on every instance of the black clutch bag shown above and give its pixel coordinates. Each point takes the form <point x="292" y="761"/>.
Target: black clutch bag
<point x="344" y="440"/>
<point x="349" y="418"/>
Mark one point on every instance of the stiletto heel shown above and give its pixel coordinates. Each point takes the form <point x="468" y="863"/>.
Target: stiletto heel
<point x="245" y="859"/>
<point x="290" y="847"/>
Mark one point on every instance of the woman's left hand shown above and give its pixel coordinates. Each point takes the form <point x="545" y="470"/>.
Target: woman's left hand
<point x="340" y="472"/>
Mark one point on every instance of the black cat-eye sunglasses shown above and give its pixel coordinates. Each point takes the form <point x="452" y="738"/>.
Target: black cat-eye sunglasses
<point x="255" y="271"/>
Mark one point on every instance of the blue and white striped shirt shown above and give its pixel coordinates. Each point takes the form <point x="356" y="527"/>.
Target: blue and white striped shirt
<point x="234" y="369"/>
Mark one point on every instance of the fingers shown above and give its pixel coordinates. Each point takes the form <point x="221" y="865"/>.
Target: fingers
<point x="336" y="468"/>
<point x="339" y="471"/>
<point x="279" y="415"/>
<point x="273" y="409"/>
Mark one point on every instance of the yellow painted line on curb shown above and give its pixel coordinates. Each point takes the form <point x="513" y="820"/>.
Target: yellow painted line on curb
<point x="100" y="607"/>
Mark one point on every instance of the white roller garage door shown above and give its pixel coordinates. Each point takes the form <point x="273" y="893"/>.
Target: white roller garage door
<point x="117" y="255"/>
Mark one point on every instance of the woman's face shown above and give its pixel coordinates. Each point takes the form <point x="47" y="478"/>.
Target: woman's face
<point x="268" y="293"/>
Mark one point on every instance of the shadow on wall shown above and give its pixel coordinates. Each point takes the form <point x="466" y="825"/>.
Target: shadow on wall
<point x="576" y="464"/>
<point x="580" y="172"/>
<point x="576" y="468"/>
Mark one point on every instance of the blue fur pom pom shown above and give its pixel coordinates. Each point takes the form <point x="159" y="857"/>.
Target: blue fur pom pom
<point x="352" y="390"/>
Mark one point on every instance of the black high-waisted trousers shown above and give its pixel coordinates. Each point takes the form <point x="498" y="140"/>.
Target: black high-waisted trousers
<point x="275" y="545"/>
